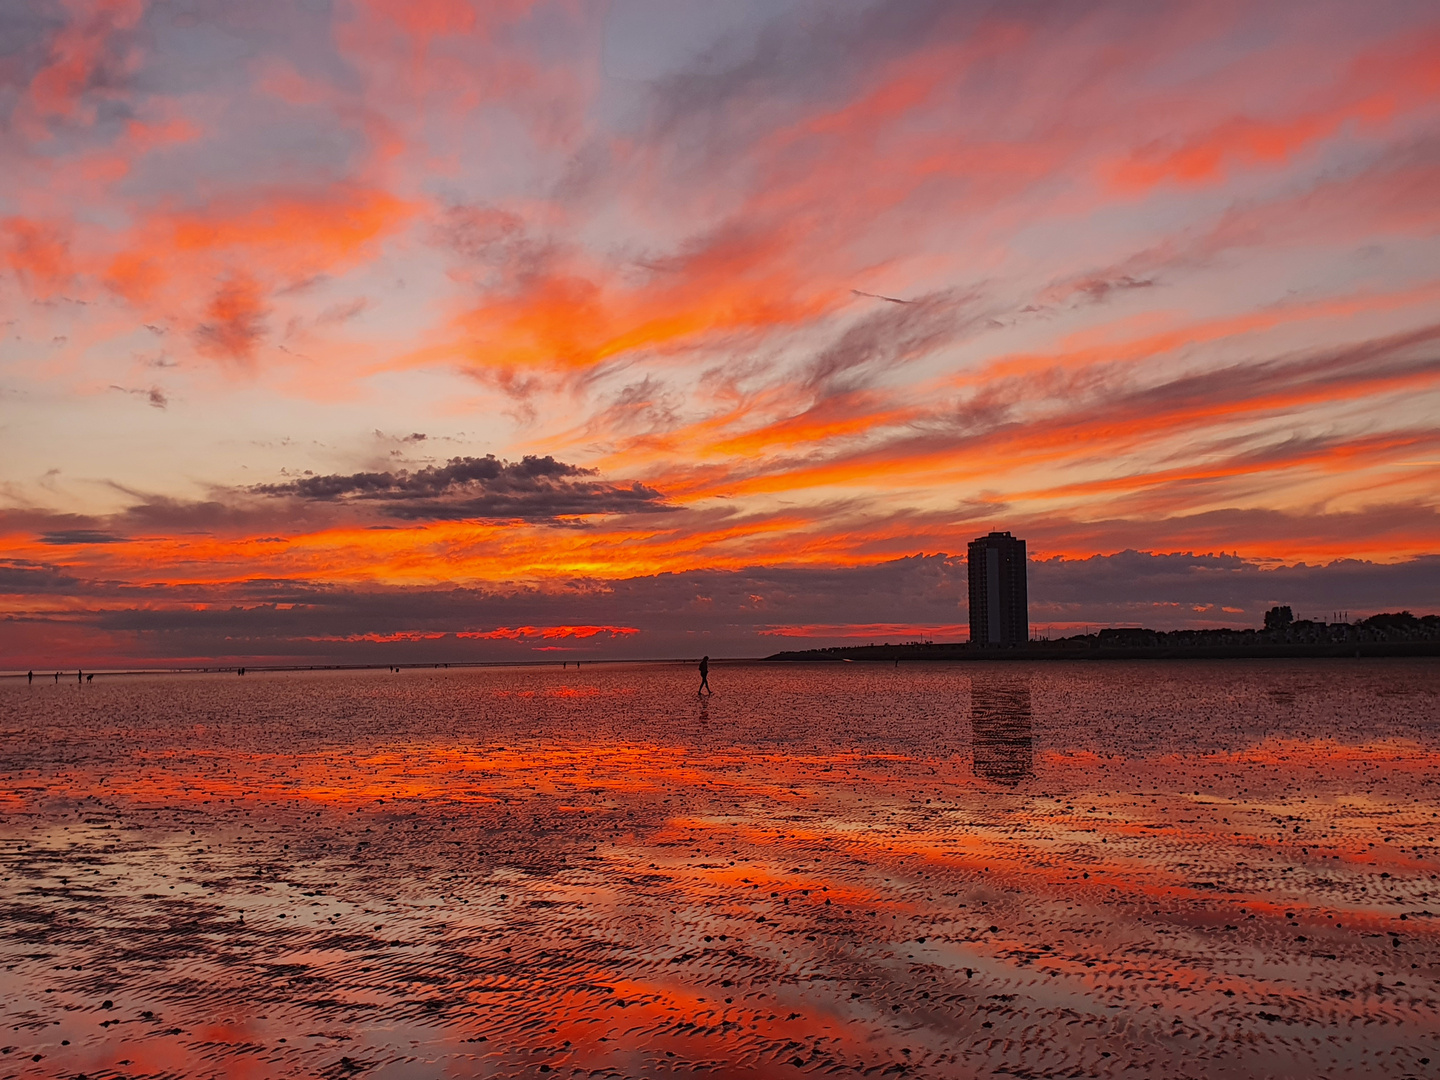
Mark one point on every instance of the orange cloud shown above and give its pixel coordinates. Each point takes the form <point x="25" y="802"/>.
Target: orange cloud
<point x="1402" y="76"/>
<point x="76" y="51"/>
<point x="575" y="314"/>
<point x="40" y="253"/>
<point x="217" y="269"/>
<point x="888" y="632"/>
<point x="234" y="321"/>
<point x="505" y="633"/>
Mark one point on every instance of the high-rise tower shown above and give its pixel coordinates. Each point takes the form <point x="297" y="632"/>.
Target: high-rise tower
<point x="999" y="601"/>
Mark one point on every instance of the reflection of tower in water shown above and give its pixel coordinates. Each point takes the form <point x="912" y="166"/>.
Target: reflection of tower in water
<point x="1003" y="728"/>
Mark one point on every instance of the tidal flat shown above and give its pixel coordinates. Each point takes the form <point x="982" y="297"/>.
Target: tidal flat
<point x="1169" y="869"/>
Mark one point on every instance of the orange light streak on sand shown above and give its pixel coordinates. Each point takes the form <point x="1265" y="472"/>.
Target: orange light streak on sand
<point x="436" y="771"/>
<point x="1090" y="841"/>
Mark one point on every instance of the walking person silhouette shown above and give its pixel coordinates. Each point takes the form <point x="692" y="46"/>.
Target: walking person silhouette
<point x="704" y="677"/>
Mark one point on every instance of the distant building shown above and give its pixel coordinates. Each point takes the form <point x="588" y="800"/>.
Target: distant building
<point x="999" y="600"/>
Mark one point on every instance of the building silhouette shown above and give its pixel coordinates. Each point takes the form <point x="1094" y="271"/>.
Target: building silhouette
<point x="999" y="600"/>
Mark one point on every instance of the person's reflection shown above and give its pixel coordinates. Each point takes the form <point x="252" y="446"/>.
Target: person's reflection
<point x="1003" y="728"/>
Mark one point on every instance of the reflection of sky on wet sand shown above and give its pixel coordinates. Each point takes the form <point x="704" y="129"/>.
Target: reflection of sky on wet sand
<point x="1108" y="870"/>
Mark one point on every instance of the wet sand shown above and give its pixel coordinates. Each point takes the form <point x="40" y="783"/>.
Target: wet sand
<point x="1148" y="869"/>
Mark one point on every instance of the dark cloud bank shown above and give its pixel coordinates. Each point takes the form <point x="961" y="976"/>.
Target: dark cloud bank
<point x="532" y="489"/>
<point x="736" y="613"/>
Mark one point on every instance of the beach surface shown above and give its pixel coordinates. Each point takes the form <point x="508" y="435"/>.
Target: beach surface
<point x="1190" y="869"/>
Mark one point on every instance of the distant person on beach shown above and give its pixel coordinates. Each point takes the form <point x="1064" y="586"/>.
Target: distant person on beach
<point x="57" y="678"/>
<point x="704" y="677"/>
<point x="30" y="677"/>
<point x="79" y="677"/>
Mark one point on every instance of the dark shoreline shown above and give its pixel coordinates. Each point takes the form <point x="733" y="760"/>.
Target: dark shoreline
<point x="418" y="665"/>
<point x="938" y="652"/>
<point x="1041" y="651"/>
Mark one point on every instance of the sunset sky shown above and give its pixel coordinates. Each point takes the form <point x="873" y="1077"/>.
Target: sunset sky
<point x="393" y="330"/>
